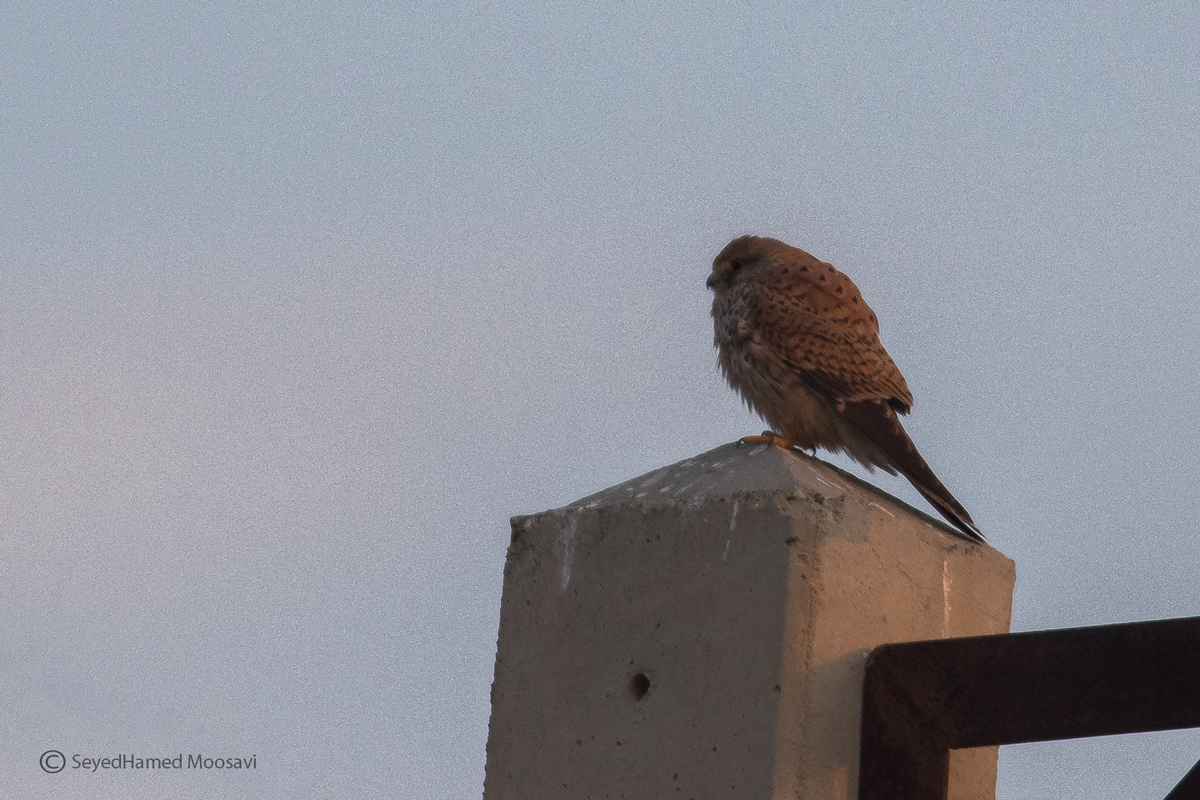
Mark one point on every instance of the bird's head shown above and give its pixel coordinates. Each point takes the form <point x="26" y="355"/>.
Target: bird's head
<point x="742" y="253"/>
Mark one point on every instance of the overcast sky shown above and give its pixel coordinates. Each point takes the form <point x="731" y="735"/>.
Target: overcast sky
<point x="301" y="302"/>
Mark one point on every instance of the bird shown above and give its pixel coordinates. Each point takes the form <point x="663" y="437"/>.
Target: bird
<point x="798" y="342"/>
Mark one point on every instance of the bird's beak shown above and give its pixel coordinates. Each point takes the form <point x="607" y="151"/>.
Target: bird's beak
<point x="712" y="279"/>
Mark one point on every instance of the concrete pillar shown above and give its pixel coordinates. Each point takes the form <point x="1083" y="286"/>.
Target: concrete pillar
<point x="700" y="632"/>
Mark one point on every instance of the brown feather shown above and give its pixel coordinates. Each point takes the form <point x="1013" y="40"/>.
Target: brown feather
<point x="878" y="423"/>
<point x="816" y="319"/>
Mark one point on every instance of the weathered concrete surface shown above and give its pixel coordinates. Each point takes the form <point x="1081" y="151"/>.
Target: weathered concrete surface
<point x="747" y="585"/>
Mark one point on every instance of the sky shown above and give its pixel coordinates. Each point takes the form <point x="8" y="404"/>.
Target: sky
<point x="299" y="303"/>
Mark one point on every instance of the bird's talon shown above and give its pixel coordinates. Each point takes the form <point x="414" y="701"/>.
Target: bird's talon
<point x="768" y="437"/>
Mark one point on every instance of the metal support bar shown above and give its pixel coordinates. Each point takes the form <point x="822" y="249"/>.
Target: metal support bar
<point x="922" y="699"/>
<point x="1189" y="787"/>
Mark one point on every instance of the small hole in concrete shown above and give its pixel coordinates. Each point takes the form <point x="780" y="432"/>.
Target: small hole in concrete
<point x="639" y="685"/>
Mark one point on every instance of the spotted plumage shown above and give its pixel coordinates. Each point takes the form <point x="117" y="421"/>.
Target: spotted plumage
<point x="796" y="339"/>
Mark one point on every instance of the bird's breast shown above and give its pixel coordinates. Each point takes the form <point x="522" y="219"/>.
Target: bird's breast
<point x="771" y="386"/>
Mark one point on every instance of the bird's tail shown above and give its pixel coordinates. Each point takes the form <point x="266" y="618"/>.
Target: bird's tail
<point x="894" y="451"/>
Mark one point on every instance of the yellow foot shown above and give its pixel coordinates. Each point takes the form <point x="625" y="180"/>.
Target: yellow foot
<point x="768" y="437"/>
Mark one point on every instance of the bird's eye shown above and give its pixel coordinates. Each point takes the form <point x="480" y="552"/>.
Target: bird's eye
<point x="736" y="264"/>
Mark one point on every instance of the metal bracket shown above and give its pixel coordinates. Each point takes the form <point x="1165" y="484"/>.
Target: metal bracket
<point x="923" y="699"/>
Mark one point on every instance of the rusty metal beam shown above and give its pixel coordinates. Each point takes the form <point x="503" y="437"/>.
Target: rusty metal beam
<point x="922" y="699"/>
<point x="1189" y="787"/>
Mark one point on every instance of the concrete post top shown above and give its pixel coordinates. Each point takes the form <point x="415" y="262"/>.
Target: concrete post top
<point x="701" y="631"/>
<point x="736" y="471"/>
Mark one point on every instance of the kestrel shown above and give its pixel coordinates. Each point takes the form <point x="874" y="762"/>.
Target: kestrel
<point x="798" y="342"/>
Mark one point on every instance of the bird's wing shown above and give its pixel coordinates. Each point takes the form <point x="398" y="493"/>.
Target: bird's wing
<point x="815" y="319"/>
